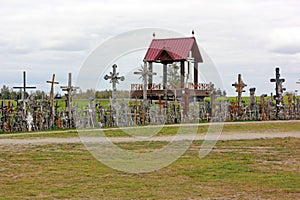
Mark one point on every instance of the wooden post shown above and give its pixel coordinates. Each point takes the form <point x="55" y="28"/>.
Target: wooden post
<point x="196" y="74"/>
<point x="181" y="75"/>
<point x="150" y="78"/>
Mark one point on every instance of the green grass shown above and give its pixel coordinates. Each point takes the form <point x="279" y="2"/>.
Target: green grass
<point x="249" y="127"/>
<point x="241" y="169"/>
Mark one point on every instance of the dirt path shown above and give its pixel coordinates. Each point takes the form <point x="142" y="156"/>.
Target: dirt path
<point x="223" y="136"/>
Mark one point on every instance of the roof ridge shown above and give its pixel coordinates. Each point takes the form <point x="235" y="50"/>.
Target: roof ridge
<point x="175" y="38"/>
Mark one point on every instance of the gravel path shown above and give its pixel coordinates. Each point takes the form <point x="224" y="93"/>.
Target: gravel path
<point x="223" y="136"/>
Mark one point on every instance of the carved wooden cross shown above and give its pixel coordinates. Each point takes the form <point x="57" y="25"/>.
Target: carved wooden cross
<point x="69" y="89"/>
<point x="144" y="72"/>
<point x="239" y="89"/>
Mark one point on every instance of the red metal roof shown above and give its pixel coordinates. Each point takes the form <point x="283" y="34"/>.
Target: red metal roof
<point x="176" y="48"/>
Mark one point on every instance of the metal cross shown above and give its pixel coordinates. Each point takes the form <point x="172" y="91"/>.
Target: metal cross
<point x="69" y="88"/>
<point x="239" y="89"/>
<point x="114" y="79"/>
<point x="144" y="72"/>
<point x="279" y="90"/>
<point x="24" y="87"/>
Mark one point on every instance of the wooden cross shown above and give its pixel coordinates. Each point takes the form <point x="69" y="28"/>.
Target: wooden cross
<point x="52" y="82"/>
<point x="144" y="72"/>
<point x="24" y="87"/>
<point x="69" y="88"/>
<point x="52" y="88"/>
<point x="239" y="89"/>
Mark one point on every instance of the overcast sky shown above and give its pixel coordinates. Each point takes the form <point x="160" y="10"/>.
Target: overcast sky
<point x="247" y="37"/>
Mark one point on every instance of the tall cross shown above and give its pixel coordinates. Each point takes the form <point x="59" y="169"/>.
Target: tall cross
<point x="52" y="82"/>
<point x="24" y="87"/>
<point x="69" y="88"/>
<point x="239" y="86"/>
<point x="114" y="79"/>
<point x="279" y="90"/>
<point x="144" y="72"/>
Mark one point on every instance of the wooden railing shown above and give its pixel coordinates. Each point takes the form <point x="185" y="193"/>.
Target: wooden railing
<point x="153" y="86"/>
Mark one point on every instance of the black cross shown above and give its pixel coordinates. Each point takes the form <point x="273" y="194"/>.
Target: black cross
<point x="24" y="87"/>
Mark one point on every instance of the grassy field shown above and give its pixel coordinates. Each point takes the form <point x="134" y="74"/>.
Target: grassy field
<point x="249" y="127"/>
<point x="242" y="169"/>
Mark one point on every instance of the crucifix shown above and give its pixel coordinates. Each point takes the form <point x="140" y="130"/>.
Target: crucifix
<point x="52" y="82"/>
<point x="279" y="90"/>
<point x="239" y="89"/>
<point x="24" y="87"/>
<point x="114" y="79"/>
<point x="145" y="73"/>
<point x="69" y="88"/>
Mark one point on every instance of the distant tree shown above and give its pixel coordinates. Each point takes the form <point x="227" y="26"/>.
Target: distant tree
<point x="40" y="94"/>
<point x="5" y="92"/>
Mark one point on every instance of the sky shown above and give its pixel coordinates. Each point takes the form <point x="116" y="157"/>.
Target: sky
<point x="240" y="37"/>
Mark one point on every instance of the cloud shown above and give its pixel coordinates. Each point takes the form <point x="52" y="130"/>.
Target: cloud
<point x="285" y="40"/>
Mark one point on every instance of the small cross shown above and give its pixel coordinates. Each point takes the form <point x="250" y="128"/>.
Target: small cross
<point x="144" y="72"/>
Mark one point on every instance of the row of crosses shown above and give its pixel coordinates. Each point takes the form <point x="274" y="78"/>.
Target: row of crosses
<point x="69" y="88"/>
